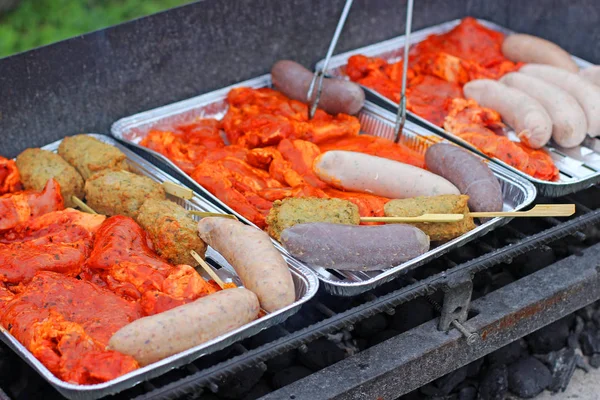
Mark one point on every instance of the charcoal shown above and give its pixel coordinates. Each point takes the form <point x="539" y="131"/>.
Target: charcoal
<point x="467" y="393"/>
<point x="562" y="365"/>
<point x="362" y="343"/>
<point x="289" y="375"/>
<point x="370" y="326"/>
<point x="502" y="279"/>
<point x="552" y="337"/>
<point x="532" y="261"/>
<point x="494" y="384"/>
<point x="594" y="361"/>
<point x="474" y="368"/>
<point x="259" y="390"/>
<point x="448" y="382"/>
<point x="509" y="353"/>
<point x="586" y="312"/>
<point x="320" y="354"/>
<point x="579" y="325"/>
<point x="581" y="364"/>
<point x="590" y="342"/>
<point x="528" y="377"/>
<point x="281" y="361"/>
<point x="596" y="318"/>
<point x="383" y="336"/>
<point x="412" y="314"/>
<point x="236" y="385"/>
<point x="431" y="391"/>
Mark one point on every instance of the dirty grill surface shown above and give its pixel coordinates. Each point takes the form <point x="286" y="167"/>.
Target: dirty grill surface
<point x="330" y="329"/>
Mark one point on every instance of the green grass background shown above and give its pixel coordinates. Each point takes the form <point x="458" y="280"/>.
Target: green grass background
<point x="35" y="23"/>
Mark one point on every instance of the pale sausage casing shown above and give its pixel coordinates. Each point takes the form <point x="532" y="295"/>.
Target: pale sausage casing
<point x="587" y="95"/>
<point x="523" y="113"/>
<point x="153" y="338"/>
<point x="354" y="247"/>
<point x="337" y="96"/>
<point x="569" y="124"/>
<point x="533" y="49"/>
<point x="591" y="74"/>
<point x="364" y="173"/>
<point x="472" y="176"/>
<point x="251" y="253"/>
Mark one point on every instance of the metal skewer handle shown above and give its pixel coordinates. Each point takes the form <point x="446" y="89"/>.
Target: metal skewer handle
<point x="401" y="117"/>
<point x="319" y="74"/>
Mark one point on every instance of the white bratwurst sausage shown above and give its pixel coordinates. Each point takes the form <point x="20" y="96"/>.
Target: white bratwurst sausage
<point x="364" y="173"/>
<point x="587" y="95"/>
<point x="521" y="112"/>
<point x="591" y="74"/>
<point x="533" y="49"/>
<point x="153" y="338"/>
<point x="569" y="125"/>
<point x="251" y="253"/>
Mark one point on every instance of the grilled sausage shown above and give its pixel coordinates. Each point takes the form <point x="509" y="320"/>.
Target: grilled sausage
<point x="591" y="74"/>
<point x="37" y="166"/>
<point x="360" y="172"/>
<point x="172" y="231"/>
<point x="532" y="49"/>
<point x="523" y="113"/>
<point x="251" y="253"/>
<point x="120" y="192"/>
<point x="337" y="96"/>
<point x="587" y="95"/>
<point x="569" y="124"/>
<point x="469" y="173"/>
<point x="89" y="155"/>
<point x="354" y="247"/>
<point x="153" y="338"/>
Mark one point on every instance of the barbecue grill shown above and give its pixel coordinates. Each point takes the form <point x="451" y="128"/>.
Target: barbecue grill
<point x="87" y="83"/>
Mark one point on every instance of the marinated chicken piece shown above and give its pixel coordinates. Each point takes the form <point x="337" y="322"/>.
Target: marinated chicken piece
<point x="22" y="206"/>
<point x="172" y="231"/>
<point x="219" y="181"/>
<point x="477" y="124"/>
<point x="89" y="155"/>
<point x="439" y="66"/>
<point x="122" y="260"/>
<point x="264" y="117"/>
<point x="442" y="204"/>
<point x="292" y="211"/>
<point x="66" y="324"/>
<point x="55" y="227"/>
<point x="59" y="241"/>
<point x="37" y="166"/>
<point x="120" y="192"/>
<point x="10" y="179"/>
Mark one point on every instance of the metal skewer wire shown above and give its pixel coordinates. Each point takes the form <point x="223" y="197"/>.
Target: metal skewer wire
<point x="401" y="116"/>
<point x="319" y="74"/>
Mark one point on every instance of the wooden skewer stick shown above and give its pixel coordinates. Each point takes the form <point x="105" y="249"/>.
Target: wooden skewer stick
<point x="208" y="269"/>
<point x="177" y="190"/>
<point x="212" y="214"/>
<point x="540" y="210"/>
<point x="421" y="218"/>
<point x="82" y="206"/>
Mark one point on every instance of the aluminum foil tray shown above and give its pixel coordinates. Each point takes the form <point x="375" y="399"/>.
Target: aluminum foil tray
<point x="305" y="282"/>
<point x="517" y="191"/>
<point x="579" y="167"/>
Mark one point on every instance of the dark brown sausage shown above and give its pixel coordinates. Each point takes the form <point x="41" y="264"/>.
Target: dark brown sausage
<point x="338" y="96"/>
<point x="469" y="173"/>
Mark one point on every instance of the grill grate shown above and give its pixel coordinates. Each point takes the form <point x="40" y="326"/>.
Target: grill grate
<point x="507" y="248"/>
